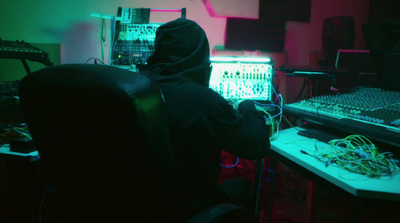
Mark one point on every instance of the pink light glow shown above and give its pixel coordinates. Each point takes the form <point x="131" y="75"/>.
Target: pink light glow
<point x="209" y="8"/>
<point x="211" y="11"/>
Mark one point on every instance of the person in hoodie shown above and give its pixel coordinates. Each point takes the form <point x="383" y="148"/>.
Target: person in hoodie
<point x="201" y="122"/>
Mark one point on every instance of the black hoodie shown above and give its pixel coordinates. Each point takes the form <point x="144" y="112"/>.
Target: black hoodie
<point x="201" y="122"/>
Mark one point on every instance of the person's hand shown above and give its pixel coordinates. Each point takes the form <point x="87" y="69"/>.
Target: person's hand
<point x="245" y="107"/>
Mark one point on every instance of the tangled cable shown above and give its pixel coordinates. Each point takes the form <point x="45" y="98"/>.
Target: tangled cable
<point x="358" y="154"/>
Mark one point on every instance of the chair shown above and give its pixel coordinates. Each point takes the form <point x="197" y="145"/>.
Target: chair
<point x="103" y="141"/>
<point x="105" y="150"/>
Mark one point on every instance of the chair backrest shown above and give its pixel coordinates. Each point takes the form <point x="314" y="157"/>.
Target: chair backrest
<point x="104" y="145"/>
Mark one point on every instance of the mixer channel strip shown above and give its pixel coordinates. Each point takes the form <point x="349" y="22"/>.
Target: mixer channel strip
<point x="371" y="112"/>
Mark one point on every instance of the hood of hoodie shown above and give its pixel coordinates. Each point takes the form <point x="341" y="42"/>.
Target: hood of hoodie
<point x="181" y="48"/>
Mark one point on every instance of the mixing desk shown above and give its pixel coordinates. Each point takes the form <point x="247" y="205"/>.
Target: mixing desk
<point x="371" y="112"/>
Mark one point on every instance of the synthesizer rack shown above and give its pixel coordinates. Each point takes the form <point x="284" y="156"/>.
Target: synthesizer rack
<point x="372" y="112"/>
<point x="239" y="78"/>
<point x="133" y="37"/>
<point x="134" y="45"/>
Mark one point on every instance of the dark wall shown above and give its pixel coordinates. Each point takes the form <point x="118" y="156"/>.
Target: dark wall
<point x="383" y="10"/>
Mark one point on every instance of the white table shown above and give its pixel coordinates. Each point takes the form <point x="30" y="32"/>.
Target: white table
<point x="286" y="149"/>
<point x="6" y="153"/>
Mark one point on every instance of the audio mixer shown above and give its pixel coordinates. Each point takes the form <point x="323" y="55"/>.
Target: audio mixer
<point x="372" y="112"/>
<point x="239" y="78"/>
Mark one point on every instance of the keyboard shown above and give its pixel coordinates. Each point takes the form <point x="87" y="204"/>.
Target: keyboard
<point x="319" y="134"/>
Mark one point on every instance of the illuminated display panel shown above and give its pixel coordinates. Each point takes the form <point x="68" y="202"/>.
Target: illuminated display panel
<point x="240" y="78"/>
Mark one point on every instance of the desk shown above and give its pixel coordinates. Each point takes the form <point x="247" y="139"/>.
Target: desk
<point x="286" y="149"/>
<point x="22" y="174"/>
<point x="6" y="153"/>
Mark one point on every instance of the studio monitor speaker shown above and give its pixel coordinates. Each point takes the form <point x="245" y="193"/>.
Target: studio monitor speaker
<point x="337" y="33"/>
<point x="252" y="34"/>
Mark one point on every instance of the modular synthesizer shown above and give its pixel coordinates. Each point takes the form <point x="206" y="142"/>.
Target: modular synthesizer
<point x="239" y="78"/>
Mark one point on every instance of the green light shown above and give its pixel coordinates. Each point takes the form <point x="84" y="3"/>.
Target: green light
<point x="241" y="59"/>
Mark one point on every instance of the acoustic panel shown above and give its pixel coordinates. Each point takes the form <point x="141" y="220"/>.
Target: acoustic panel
<point x="250" y="34"/>
<point x="292" y="10"/>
